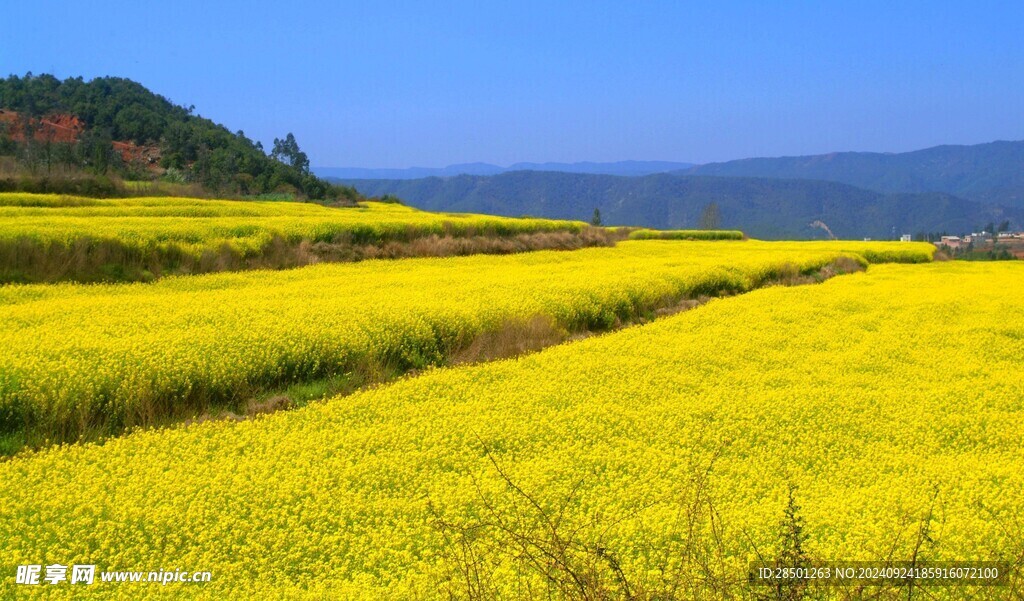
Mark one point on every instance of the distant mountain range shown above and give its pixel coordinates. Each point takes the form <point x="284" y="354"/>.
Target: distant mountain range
<point x="617" y="168"/>
<point x="985" y="173"/>
<point x="764" y="208"/>
<point x="952" y="189"/>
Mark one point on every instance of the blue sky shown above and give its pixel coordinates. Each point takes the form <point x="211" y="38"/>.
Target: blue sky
<point x="397" y="84"/>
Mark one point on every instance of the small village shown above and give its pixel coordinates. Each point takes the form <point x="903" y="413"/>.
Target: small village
<point x="984" y="241"/>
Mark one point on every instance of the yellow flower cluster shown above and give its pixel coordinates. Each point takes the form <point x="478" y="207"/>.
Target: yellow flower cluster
<point x="884" y="397"/>
<point x="195" y="225"/>
<point x="78" y="357"/>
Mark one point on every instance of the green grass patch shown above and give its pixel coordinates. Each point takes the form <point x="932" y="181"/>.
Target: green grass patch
<point x="648" y="234"/>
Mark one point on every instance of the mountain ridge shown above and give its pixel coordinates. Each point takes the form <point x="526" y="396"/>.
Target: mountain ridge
<point x="591" y="167"/>
<point x="762" y="207"/>
<point x="988" y="173"/>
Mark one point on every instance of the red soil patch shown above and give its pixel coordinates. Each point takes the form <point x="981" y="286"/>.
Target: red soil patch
<point x="67" y="129"/>
<point x="148" y="156"/>
<point x="55" y="128"/>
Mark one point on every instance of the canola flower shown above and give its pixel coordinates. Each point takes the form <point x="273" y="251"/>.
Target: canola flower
<point x="883" y="396"/>
<point x="79" y="357"/>
<point x="195" y="225"/>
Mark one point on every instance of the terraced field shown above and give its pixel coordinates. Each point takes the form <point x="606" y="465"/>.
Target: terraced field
<point x="196" y="225"/>
<point x="50" y="237"/>
<point x="81" y="360"/>
<point x="888" y="402"/>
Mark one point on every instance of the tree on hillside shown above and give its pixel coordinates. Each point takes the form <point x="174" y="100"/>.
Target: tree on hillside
<point x="710" y="218"/>
<point x="96" y="151"/>
<point x="596" y="219"/>
<point x="7" y="145"/>
<point x="29" y="148"/>
<point x="287" y="151"/>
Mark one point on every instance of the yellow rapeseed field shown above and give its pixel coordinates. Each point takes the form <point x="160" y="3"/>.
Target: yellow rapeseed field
<point x="75" y="358"/>
<point x="195" y="225"/>
<point x="884" y="397"/>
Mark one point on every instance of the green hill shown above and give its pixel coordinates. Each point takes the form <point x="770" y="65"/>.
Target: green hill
<point x="113" y="126"/>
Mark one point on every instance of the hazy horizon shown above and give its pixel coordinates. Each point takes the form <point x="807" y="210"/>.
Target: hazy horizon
<point x="646" y="160"/>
